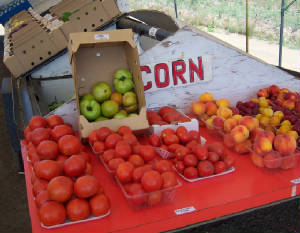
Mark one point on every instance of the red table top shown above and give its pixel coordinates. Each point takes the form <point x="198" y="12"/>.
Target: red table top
<point x="247" y="187"/>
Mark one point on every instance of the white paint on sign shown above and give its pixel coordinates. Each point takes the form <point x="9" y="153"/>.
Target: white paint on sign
<point x="296" y="181"/>
<point x="185" y="210"/>
<point x="101" y="37"/>
<point x="294" y="191"/>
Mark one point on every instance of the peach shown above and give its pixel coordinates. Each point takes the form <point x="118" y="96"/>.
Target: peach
<point x="209" y="123"/>
<point x="290" y="104"/>
<point x="223" y="103"/>
<point x="274" y="90"/>
<point x="284" y="90"/>
<point x="224" y="112"/>
<point x="263" y="92"/>
<point x="211" y="108"/>
<point x="262" y="145"/>
<point x="198" y="108"/>
<point x="218" y="122"/>
<point x="257" y="160"/>
<point x="292" y="96"/>
<point x="267" y="112"/>
<point x="229" y="124"/>
<point x="255" y="132"/>
<point x="285" y="144"/>
<point x="202" y="119"/>
<point x="279" y="114"/>
<point x="238" y="117"/>
<point x="250" y="122"/>
<point x="293" y="133"/>
<point x="284" y="129"/>
<point x="272" y="159"/>
<point x="239" y="133"/>
<point x="270" y="129"/>
<point x="206" y="97"/>
<point x="228" y="141"/>
<point x="288" y="162"/>
<point x="266" y="134"/>
<point x="264" y="120"/>
<point x="243" y="147"/>
<point x="274" y="121"/>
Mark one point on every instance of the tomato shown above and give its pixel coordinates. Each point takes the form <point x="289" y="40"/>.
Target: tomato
<point x="85" y="156"/>
<point x="154" y="140"/>
<point x="27" y="133"/>
<point x="184" y="138"/>
<point x="181" y="152"/>
<point x="151" y="113"/>
<point x="229" y="161"/>
<point x="108" y="155"/>
<point x="78" y="209"/>
<point x="190" y="160"/>
<point x="40" y="134"/>
<point x="37" y="122"/>
<point x="190" y="172"/>
<point x="136" y="190"/>
<point x="213" y="157"/>
<point x="99" y="147"/>
<point x="124" y="172"/>
<point x="52" y="213"/>
<point x="131" y="139"/>
<point x="102" y="133"/>
<point x="39" y="186"/>
<point x="216" y="147"/>
<point x="165" y="147"/>
<point x="171" y="117"/>
<point x="86" y="186"/>
<point x="123" y="149"/>
<point x="200" y="151"/>
<point x="170" y="139"/>
<point x="33" y="178"/>
<point x="169" y="179"/>
<point x="184" y="119"/>
<point x="205" y="168"/>
<point x="138" y="173"/>
<point x="61" y="160"/>
<point x="47" y="149"/>
<point x="148" y="153"/>
<point x="74" y="166"/>
<point x="100" y="204"/>
<point x="61" y="130"/>
<point x="194" y="135"/>
<point x="124" y="130"/>
<point x="179" y="165"/>
<point x="181" y="130"/>
<point x="93" y="137"/>
<point x="60" y="188"/>
<point x="47" y="169"/>
<point x="191" y="144"/>
<point x="35" y="158"/>
<point x="219" y="167"/>
<point x="54" y="120"/>
<point x="113" y="164"/>
<point x="69" y="145"/>
<point x="151" y="181"/>
<point x="166" y="109"/>
<point x="154" y="198"/>
<point x="88" y="169"/>
<point x="173" y="147"/>
<point x="111" y="140"/>
<point x="136" y="160"/>
<point x="42" y="198"/>
<point x="137" y="149"/>
<point x="166" y="131"/>
<point x="163" y="166"/>
<point x="31" y="153"/>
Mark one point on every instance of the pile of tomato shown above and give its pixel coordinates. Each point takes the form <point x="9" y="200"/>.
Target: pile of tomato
<point x="63" y="184"/>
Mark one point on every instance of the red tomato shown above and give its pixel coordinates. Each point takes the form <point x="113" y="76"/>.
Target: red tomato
<point x="171" y="139"/>
<point x="154" y="140"/>
<point x="205" y="168"/>
<point x="124" y="130"/>
<point x="131" y="139"/>
<point x="166" y="131"/>
<point x="154" y="198"/>
<point x="69" y="145"/>
<point x="86" y="186"/>
<point x="39" y="186"/>
<point x="173" y="147"/>
<point x="165" y="109"/>
<point x="179" y="165"/>
<point x="54" y="120"/>
<point x="122" y="150"/>
<point x="47" y="169"/>
<point x="47" y="149"/>
<point x="74" y="166"/>
<point x="163" y="166"/>
<point x="171" y="117"/>
<point x="138" y="173"/>
<point x="136" y="189"/>
<point x="108" y="155"/>
<point x="124" y="172"/>
<point x="151" y="181"/>
<point x="200" y="151"/>
<point x="78" y="209"/>
<point x="99" y="147"/>
<point x="61" y="160"/>
<point x="31" y="152"/>
<point x="60" y="131"/>
<point x="100" y="204"/>
<point x="42" y="198"/>
<point x="111" y="140"/>
<point x="148" y="153"/>
<point x="213" y="157"/>
<point x="229" y="161"/>
<point x="190" y="160"/>
<point x="136" y="160"/>
<point x="27" y="134"/>
<point x="219" y="167"/>
<point x="181" y="130"/>
<point x="194" y="135"/>
<point x="137" y="149"/>
<point x="35" y="158"/>
<point x="184" y="119"/>
<point x="85" y="156"/>
<point x="113" y="164"/>
<point x="52" y="213"/>
<point x="169" y="179"/>
<point x="40" y="134"/>
<point x="216" y="147"/>
<point x="191" y="144"/>
<point x="184" y="138"/>
<point x="60" y="188"/>
<point x="102" y="133"/>
<point x="164" y="147"/>
<point x="89" y="169"/>
<point x="37" y="122"/>
<point x="181" y="152"/>
<point x="93" y="137"/>
<point x="33" y="178"/>
<point x="190" y="172"/>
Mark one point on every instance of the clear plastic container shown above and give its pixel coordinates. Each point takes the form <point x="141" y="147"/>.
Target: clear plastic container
<point x="106" y="166"/>
<point x="217" y="132"/>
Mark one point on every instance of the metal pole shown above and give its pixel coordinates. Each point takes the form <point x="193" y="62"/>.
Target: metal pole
<point x="281" y="32"/>
<point x="247" y="26"/>
<point x="175" y="7"/>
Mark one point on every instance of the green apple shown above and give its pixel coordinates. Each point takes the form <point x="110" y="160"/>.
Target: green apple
<point x="120" y="114"/>
<point x="101" y="118"/>
<point x="132" y="114"/>
<point x="109" y="108"/>
<point x="90" y="109"/>
<point x="123" y="81"/>
<point x="101" y="91"/>
<point x="87" y="97"/>
<point x="131" y="109"/>
<point x="129" y="99"/>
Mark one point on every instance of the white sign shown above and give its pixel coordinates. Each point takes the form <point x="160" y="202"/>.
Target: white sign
<point x="101" y="37"/>
<point x="178" y="73"/>
<point x="185" y="210"/>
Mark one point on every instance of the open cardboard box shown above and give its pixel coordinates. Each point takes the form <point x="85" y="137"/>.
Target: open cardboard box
<point x="94" y="57"/>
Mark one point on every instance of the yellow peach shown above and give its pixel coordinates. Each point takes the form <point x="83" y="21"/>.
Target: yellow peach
<point x="286" y="122"/>
<point x="258" y="116"/>
<point x="206" y="97"/>
<point x="224" y="112"/>
<point x="290" y="104"/>
<point x="250" y="122"/>
<point x="238" y="117"/>
<point x="293" y="133"/>
<point x="279" y="114"/>
<point x="274" y="121"/>
<point x="285" y="144"/>
<point x="255" y="100"/>
<point x="270" y="128"/>
<point x="223" y="103"/>
<point x="268" y="112"/>
<point x="229" y="124"/>
<point x="240" y="133"/>
<point x="264" y="120"/>
<point x="262" y="146"/>
<point x="284" y="128"/>
<point x="211" y="108"/>
<point x="198" y="108"/>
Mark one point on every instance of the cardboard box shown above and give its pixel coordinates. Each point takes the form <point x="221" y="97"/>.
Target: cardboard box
<point x="94" y="57"/>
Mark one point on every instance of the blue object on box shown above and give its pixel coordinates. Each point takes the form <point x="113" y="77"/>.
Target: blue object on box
<point x="9" y="10"/>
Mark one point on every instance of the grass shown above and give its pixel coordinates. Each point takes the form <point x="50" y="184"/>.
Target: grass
<point x="264" y="16"/>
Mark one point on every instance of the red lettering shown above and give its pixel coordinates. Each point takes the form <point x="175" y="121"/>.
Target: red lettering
<point x="157" y="69"/>
<point x="194" y="68"/>
<point x="147" y="70"/>
<point x="178" y="73"/>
